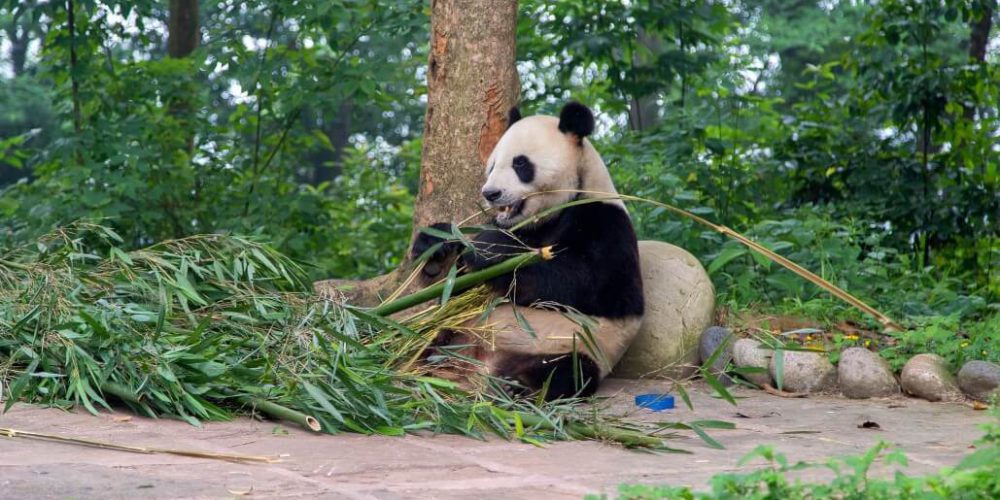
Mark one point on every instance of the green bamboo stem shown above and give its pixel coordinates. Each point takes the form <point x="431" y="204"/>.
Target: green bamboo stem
<point x="464" y="281"/>
<point x="279" y="412"/>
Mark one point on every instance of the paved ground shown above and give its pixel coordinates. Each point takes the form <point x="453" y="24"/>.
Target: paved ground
<point x="351" y="466"/>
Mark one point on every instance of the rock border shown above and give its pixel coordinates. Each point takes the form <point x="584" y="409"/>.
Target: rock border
<point x="860" y="373"/>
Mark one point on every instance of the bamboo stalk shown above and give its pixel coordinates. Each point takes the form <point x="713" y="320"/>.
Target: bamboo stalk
<point x="14" y="433"/>
<point x="841" y="294"/>
<point x="464" y="281"/>
<point x="282" y="413"/>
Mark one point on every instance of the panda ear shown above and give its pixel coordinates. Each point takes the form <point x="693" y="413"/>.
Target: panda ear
<point x="513" y="116"/>
<point x="576" y="119"/>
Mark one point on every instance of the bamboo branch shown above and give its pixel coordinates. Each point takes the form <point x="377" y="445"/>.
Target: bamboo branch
<point x="232" y="457"/>
<point x="886" y="322"/>
<point x="465" y="281"/>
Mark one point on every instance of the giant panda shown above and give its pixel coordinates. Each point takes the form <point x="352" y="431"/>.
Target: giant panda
<point x="542" y="162"/>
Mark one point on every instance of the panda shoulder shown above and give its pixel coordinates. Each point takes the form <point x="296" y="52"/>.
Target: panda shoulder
<point x="606" y="221"/>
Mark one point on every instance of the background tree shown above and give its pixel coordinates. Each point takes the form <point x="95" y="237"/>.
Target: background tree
<point x="857" y="138"/>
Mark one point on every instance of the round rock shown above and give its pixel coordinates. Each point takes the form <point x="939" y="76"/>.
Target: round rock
<point x="712" y="339"/>
<point x="805" y="371"/>
<point x="980" y="379"/>
<point x="926" y="376"/>
<point x="864" y="374"/>
<point x="750" y="353"/>
<point x="680" y="304"/>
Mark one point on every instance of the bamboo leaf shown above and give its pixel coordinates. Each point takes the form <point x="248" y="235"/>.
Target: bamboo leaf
<point x="449" y="285"/>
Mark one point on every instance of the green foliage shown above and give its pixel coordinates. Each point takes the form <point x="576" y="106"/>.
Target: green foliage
<point x="250" y="133"/>
<point x="856" y="138"/>
<point x="946" y="337"/>
<point x="196" y="327"/>
<point x="977" y="476"/>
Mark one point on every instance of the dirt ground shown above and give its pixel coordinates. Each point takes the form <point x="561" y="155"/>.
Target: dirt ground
<point x="933" y="435"/>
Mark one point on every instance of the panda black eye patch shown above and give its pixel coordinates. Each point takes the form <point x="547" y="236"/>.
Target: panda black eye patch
<point x="524" y="169"/>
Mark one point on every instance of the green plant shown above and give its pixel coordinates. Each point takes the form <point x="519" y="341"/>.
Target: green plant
<point x="977" y="476"/>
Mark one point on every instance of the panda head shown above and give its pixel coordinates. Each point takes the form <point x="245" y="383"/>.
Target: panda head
<point x="539" y="162"/>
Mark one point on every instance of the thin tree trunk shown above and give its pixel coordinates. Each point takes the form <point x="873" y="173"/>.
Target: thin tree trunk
<point x="328" y="164"/>
<point x="471" y="85"/>
<point x="18" y="43"/>
<point x="183" y="37"/>
<point x="644" y="112"/>
<point x="74" y="80"/>
<point x="183" y="28"/>
<point x="979" y="38"/>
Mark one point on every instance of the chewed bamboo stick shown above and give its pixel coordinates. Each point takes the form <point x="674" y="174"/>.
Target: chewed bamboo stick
<point x="232" y="457"/>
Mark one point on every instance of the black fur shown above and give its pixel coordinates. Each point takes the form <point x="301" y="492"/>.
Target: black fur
<point x="445" y="252"/>
<point x="513" y="116"/>
<point x="566" y="374"/>
<point x="576" y="119"/>
<point x="524" y="169"/>
<point x="595" y="270"/>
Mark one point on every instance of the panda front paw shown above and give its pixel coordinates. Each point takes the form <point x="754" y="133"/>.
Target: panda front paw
<point x="443" y="249"/>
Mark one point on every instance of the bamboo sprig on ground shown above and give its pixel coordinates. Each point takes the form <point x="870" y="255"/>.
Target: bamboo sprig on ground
<point x="230" y="457"/>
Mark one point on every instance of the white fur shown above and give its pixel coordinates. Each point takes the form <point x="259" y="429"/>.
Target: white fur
<point x="562" y="164"/>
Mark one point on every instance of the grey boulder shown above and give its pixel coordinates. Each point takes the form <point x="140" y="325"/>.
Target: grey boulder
<point x="750" y="353"/>
<point x="804" y="371"/>
<point x="680" y="304"/>
<point x="980" y="379"/>
<point x="926" y="376"/>
<point x="864" y="374"/>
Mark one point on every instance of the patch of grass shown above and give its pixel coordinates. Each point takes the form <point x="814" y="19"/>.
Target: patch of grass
<point x="976" y="477"/>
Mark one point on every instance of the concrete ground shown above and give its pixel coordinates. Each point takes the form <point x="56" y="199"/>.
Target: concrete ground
<point x="351" y="466"/>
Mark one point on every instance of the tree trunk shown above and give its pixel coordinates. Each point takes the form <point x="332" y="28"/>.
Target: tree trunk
<point x="182" y="27"/>
<point x="183" y="37"/>
<point x="644" y="111"/>
<point x="471" y="85"/>
<point x="979" y="38"/>
<point x="328" y="164"/>
<point x="19" y="41"/>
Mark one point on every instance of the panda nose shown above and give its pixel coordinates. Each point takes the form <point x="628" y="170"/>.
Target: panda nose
<point x="491" y="194"/>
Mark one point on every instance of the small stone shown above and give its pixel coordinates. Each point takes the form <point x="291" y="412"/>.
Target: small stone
<point x="926" y="376"/>
<point x="750" y="353"/>
<point x="805" y="371"/>
<point x="680" y="304"/>
<point x="712" y="339"/>
<point x="980" y="379"/>
<point x="864" y="374"/>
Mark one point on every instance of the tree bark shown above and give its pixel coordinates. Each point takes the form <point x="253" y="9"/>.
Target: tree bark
<point x="979" y="38"/>
<point x="182" y="28"/>
<point x="471" y="85"/>
<point x="644" y="111"/>
<point x="183" y="37"/>
<point x="18" y="41"/>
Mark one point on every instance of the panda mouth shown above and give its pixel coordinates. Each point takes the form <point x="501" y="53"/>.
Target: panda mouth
<point x="508" y="211"/>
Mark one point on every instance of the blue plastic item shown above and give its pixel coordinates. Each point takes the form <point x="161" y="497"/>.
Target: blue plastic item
<point x="655" y="402"/>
